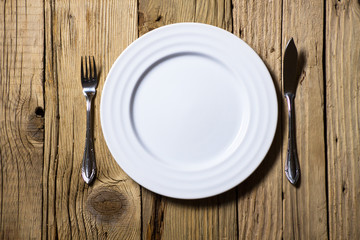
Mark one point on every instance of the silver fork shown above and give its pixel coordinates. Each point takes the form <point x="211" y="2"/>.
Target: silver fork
<point x="89" y="83"/>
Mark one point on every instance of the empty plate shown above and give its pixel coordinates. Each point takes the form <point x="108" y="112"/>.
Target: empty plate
<point x="188" y="110"/>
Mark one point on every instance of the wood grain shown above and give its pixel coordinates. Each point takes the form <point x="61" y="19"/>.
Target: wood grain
<point x="111" y="207"/>
<point x="305" y="206"/>
<point x="259" y="198"/>
<point x="343" y="117"/>
<point x="164" y="218"/>
<point x="156" y="13"/>
<point x="21" y="119"/>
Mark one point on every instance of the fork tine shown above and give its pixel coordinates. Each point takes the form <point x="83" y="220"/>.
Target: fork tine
<point x="86" y="68"/>
<point x="95" y="76"/>
<point x="82" y="69"/>
<point x="90" y="72"/>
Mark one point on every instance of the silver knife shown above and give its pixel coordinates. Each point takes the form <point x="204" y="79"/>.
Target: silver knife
<point x="292" y="168"/>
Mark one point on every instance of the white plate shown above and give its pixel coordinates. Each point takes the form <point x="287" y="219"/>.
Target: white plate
<point x="188" y="110"/>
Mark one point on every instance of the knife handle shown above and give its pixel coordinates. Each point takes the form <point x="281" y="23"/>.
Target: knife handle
<point x="292" y="169"/>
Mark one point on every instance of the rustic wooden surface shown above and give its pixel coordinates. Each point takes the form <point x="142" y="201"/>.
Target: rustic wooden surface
<point x="343" y="117"/>
<point x="42" y="111"/>
<point x="21" y="119"/>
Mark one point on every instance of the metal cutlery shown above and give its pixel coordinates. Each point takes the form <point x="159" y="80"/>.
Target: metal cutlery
<point x="89" y="83"/>
<point x="292" y="168"/>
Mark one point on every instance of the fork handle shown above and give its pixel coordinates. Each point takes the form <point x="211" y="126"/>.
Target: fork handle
<point x="292" y="168"/>
<point x="89" y="164"/>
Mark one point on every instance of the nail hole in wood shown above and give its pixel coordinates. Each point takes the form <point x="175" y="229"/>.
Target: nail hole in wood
<point x="39" y="111"/>
<point x="158" y="18"/>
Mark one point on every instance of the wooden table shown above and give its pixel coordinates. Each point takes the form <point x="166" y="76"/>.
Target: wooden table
<point x="42" y="123"/>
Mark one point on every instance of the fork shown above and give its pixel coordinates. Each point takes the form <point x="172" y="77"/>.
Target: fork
<point x="89" y="83"/>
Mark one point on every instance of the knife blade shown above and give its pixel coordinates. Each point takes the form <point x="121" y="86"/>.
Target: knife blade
<point x="292" y="168"/>
<point x="290" y="65"/>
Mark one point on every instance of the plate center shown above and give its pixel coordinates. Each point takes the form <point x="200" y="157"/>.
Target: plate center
<point x="186" y="110"/>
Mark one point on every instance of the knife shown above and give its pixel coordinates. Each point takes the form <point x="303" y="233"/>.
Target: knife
<point x="292" y="168"/>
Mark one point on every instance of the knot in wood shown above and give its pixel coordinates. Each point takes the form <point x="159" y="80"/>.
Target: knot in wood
<point x="35" y="126"/>
<point x="107" y="205"/>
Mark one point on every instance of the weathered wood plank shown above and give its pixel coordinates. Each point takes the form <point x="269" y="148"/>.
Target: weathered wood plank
<point x="165" y="218"/>
<point x="259" y="197"/>
<point x="211" y="218"/>
<point x="49" y="229"/>
<point x="305" y="206"/>
<point x="111" y="206"/>
<point x="21" y="121"/>
<point x="156" y="13"/>
<point x="343" y="117"/>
